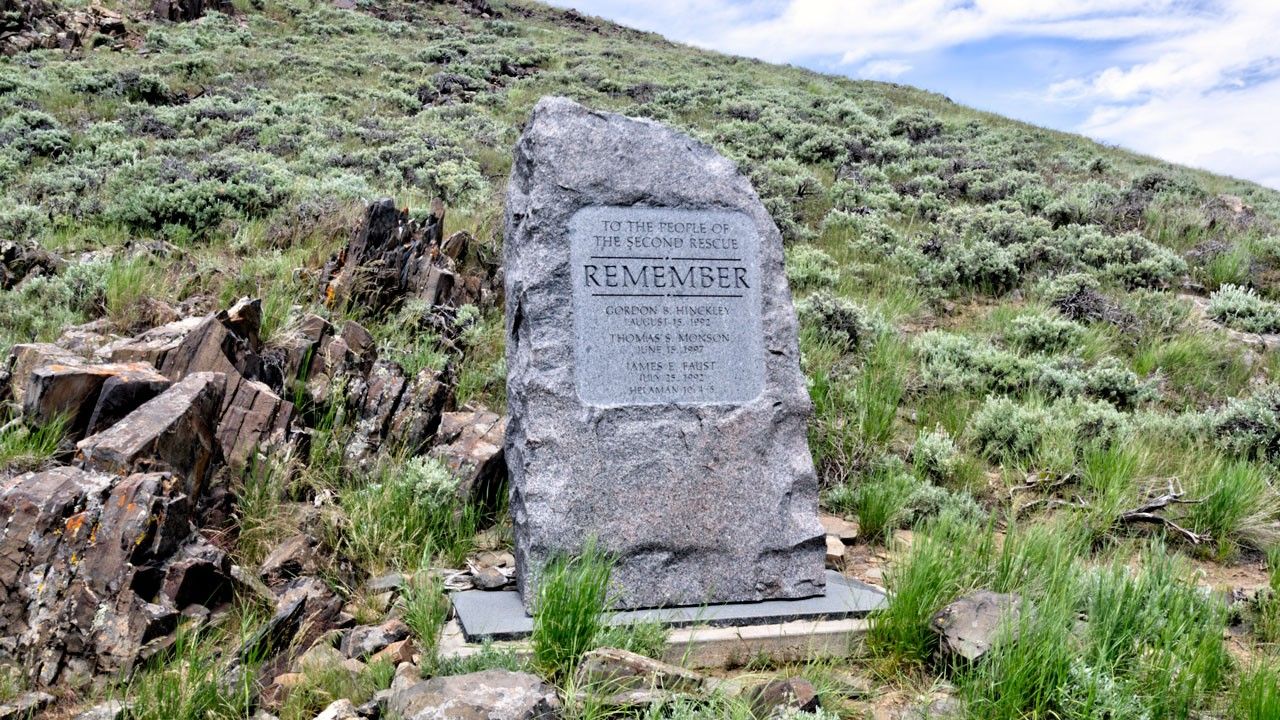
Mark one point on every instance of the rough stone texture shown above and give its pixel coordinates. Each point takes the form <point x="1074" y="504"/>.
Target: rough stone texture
<point x="779" y="696"/>
<point x="363" y="641"/>
<point x="26" y="705"/>
<point x="339" y="710"/>
<point x="699" y="502"/>
<point x="26" y="358"/>
<point x="109" y="710"/>
<point x="294" y="556"/>
<point x="123" y="392"/>
<point x="971" y="624"/>
<point x="610" y="670"/>
<point x="251" y="413"/>
<point x="485" y="695"/>
<point x="83" y="557"/>
<point x="470" y="443"/>
<point x="173" y="431"/>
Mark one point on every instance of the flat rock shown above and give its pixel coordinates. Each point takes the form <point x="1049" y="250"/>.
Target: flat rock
<point x="485" y="695"/>
<point x="611" y="670"/>
<point x="72" y="389"/>
<point x="109" y="710"/>
<point x="969" y="626"/>
<point x="687" y="456"/>
<point x="846" y="530"/>
<point x="777" y="696"/>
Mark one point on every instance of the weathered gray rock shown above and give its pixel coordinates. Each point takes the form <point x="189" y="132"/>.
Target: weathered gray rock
<point x="969" y="626"/>
<point x="362" y="642"/>
<point x="779" y="696"/>
<point x="26" y="705"/>
<point x="109" y="710"/>
<point x="173" y="431"/>
<point x="611" y="671"/>
<point x="697" y="477"/>
<point x="470" y="444"/>
<point x="485" y="695"/>
<point x="339" y="710"/>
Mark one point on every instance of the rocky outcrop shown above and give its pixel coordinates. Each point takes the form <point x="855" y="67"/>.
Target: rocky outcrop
<point x="38" y="25"/>
<point x="175" y="432"/>
<point x="392" y="257"/>
<point x="96" y="567"/>
<point x="187" y="10"/>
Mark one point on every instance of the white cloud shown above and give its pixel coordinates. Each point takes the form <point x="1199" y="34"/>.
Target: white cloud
<point x="1193" y="81"/>
<point x="884" y="69"/>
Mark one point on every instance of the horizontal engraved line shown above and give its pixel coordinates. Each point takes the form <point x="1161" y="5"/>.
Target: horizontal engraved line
<point x="689" y="295"/>
<point x="647" y="257"/>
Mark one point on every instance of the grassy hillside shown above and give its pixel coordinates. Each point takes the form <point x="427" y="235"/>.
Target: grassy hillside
<point x="1018" y="340"/>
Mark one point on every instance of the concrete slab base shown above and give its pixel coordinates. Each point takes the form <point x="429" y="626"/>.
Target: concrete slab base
<point x="702" y="647"/>
<point x="500" y="615"/>
<point x="727" y="635"/>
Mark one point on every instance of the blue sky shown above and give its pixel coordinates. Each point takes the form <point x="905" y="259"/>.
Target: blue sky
<point x="1191" y="81"/>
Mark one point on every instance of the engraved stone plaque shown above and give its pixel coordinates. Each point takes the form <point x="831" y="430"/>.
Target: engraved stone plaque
<point x="656" y="404"/>
<point x="666" y="306"/>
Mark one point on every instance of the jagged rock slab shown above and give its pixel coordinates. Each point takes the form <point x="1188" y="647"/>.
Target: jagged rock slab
<point x="82" y="558"/>
<point x="654" y="387"/>
<point x="173" y="431"/>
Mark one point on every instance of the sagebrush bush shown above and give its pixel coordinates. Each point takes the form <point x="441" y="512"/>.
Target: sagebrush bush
<point x="935" y="455"/>
<point x="809" y="267"/>
<point x="1043" y="333"/>
<point x="1005" y="431"/>
<point x="848" y="324"/>
<point x="1241" y="308"/>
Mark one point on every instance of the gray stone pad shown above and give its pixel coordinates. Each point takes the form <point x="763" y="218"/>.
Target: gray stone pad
<point x="501" y="616"/>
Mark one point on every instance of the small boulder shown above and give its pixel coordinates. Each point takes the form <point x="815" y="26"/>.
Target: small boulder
<point x="792" y="694"/>
<point x="26" y="705"/>
<point x="611" y="670"/>
<point x="365" y="640"/>
<point x="488" y="578"/>
<point x="487" y="695"/>
<point x="291" y="558"/>
<point x="969" y="626"/>
<point x="339" y="710"/>
<point x="471" y="445"/>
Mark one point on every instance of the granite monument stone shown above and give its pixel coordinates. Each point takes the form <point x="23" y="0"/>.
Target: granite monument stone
<point x="654" y="386"/>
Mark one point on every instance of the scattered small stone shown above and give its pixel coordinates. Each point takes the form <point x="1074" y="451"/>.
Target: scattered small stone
<point x="362" y="642"/>
<point x="489" y="578"/>
<point x="339" y="710"/>
<point x="489" y="694"/>
<point x="780" y="695"/>
<point x="109" y="710"/>
<point x="969" y="626"/>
